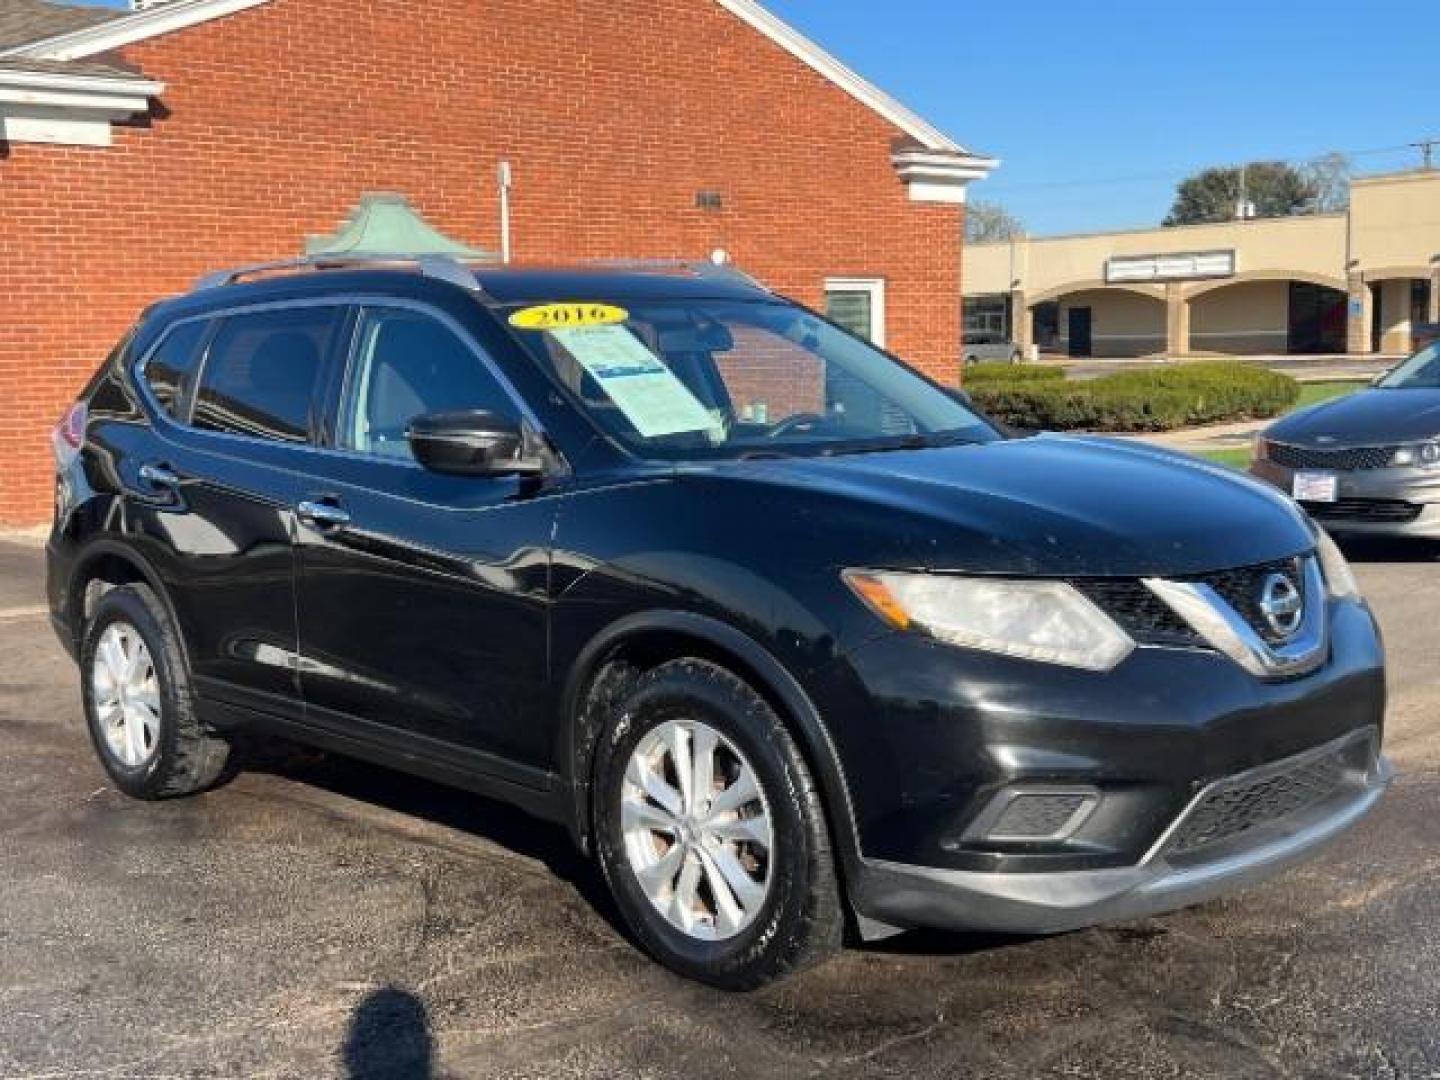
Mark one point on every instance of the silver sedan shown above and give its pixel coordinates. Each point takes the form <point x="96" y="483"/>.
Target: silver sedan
<point x="1367" y="463"/>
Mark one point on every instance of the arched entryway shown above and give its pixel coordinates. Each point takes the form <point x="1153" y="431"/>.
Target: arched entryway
<point x="1098" y="320"/>
<point x="1262" y="314"/>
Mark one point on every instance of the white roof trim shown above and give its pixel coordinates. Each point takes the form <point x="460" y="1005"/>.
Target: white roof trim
<point x="107" y="86"/>
<point x="798" y="45"/>
<point x="164" y="19"/>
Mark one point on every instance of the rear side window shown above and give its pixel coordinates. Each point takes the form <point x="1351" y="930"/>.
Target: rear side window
<point x="170" y="371"/>
<point x="262" y="373"/>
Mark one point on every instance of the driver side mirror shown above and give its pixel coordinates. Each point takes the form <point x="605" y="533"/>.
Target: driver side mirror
<point x="473" y="443"/>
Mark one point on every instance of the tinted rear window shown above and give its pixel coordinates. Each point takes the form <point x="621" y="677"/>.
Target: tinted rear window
<point x="262" y="371"/>
<point x="170" y="371"/>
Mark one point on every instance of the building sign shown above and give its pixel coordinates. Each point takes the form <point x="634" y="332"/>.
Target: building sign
<point x="1180" y="266"/>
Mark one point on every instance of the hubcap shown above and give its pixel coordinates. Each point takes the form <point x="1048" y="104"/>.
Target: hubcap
<point x="126" y="695"/>
<point x="697" y="829"/>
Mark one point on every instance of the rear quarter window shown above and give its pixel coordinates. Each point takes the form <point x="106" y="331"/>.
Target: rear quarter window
<point x="170" y="371"/>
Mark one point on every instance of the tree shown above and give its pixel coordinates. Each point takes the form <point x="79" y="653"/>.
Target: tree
<point x="1330" y="176"/>
<point x="989" y="221"/>
<point x="1273" y="187"/>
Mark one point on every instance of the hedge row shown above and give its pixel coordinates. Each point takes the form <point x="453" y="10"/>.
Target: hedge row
<point x="986" y="374"/>
<point x="1155" y="399"/>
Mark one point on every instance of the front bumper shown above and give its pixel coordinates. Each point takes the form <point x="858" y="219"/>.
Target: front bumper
<point x="1377" y="502"/>
<point x="1174" y="874"/>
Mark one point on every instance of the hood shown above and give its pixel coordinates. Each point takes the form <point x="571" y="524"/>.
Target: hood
<point x="1049" y="505"/>
<point x="1369" y="418"/>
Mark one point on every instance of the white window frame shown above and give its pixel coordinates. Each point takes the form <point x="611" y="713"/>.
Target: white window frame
<point x="876" y="288"/>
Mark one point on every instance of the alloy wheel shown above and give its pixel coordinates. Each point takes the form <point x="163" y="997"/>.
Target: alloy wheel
<point x="697" y="829"/>
<point x="126" y="695"/>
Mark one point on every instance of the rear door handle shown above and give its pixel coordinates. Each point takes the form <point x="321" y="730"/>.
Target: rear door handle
<point x="323" y="515"/>
<point x="160" y="476"/>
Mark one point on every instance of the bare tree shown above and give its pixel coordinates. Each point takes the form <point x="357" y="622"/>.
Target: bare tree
<point x="1329" y="175"/>
<point x="986" y="221"/>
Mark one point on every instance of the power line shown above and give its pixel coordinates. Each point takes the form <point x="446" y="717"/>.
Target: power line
<point x="1426" y="147"/>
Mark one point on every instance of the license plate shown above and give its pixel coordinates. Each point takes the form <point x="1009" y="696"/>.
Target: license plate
<point x="1321" y="487"/>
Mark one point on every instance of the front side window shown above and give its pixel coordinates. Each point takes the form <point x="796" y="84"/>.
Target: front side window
<point x="262" y="371"/>
<point x="696" y="378"/>
<point x="407" y="364"/>
<point x="1421" y="371"/>
<point x="170" y="371"/>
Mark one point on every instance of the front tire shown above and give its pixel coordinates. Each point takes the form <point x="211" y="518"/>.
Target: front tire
<point x="138" y="703"/>
<point x="710" y="830"/>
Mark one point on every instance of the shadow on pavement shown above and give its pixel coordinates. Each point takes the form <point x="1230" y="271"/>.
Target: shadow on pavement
<point x="1368" y="549"/>
<point x="448" y="807"/>
<point x="389" y="1036"/>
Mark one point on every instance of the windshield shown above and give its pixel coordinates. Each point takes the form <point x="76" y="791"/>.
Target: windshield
<point x="1420" y="372"/>
<point x="697" y="378"/>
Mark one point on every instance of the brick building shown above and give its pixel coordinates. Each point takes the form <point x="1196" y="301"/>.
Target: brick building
<point x="139" y="149"/>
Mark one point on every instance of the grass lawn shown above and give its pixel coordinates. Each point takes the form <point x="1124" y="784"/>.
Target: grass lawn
<point x="1237" y="457"/>
<point x="1313" y="393"/>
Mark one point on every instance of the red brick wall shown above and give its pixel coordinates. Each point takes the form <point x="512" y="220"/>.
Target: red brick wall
<point x="275" y="120"/>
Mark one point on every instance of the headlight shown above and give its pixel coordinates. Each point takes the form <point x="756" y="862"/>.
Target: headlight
<point x="1426" y="454"/>
<point x="1047" y="621"/>
<point x="1339" y="578"/>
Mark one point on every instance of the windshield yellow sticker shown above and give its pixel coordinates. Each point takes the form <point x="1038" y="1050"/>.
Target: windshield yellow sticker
<point x="567" y="316"/>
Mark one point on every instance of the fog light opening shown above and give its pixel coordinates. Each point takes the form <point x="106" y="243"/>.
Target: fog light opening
<point x="1034" y="814"/>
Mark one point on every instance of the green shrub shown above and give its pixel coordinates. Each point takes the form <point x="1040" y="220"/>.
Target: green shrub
<point x="1153" y="399"/>
<point x="1011" y="373"/>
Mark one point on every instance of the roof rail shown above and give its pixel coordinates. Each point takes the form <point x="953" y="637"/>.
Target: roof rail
<point x="440" y="267"/>
<point x="698" y="267"/>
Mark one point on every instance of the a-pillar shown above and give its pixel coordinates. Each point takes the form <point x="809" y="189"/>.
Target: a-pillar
<point x="1177" y="321"/>
<point x="1359" y="317"/>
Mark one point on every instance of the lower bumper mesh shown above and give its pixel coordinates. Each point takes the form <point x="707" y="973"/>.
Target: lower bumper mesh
<point x="1268" y="797"/>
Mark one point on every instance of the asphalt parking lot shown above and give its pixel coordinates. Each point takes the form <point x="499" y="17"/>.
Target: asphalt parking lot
<point x="317" y="918"/>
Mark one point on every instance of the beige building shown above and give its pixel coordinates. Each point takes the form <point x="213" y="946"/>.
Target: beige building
<point x="1353" y="282"/>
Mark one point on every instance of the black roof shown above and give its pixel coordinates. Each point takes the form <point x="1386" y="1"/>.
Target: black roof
<point x="499" y="285"/>
<point x="511" y="285"/>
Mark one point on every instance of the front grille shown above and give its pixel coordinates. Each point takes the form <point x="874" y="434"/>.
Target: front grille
<point x="1232" y="809"/>
<point x="1150" y="621"/>
<point x="1377" y="510"/>
<point x="1344" y="459"/>
<point x="1241" y="590"/>
<point x="1139" y="612"/>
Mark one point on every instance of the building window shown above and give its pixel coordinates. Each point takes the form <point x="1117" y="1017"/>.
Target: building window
<point x="858" y="304"/>
<point x="988" y="314"/>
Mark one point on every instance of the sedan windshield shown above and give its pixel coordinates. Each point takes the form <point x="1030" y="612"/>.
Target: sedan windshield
<point x="695" y="378"/>
<point x="1420" y="372"/>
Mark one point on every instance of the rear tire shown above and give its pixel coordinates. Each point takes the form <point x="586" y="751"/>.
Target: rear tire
<point x="138" y="702"/>
<point x="783" y="913"/>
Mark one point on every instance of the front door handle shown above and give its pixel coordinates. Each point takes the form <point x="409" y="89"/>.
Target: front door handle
<point x="323" y="515"/>
<point x="159" y="476"/>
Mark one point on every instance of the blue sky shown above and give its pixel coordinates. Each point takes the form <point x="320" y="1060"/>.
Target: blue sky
<point x="1098" y="108"/>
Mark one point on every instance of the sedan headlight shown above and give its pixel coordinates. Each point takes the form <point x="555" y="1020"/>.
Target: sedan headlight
<point x="1339" y="578"/>
<point x="1047" y="621"/>
<point x="1424" y="454"/>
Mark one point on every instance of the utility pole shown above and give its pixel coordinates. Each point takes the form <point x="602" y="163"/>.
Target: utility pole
<point x="1427" y="152"/>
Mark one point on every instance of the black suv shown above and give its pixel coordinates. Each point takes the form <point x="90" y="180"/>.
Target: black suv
<point x="787" y="635"/>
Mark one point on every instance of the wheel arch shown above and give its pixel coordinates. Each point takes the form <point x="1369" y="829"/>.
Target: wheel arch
<point x="114" y="564"/>
<point x="656" y="636"/>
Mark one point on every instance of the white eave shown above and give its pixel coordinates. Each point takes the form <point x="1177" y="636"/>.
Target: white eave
<point x="70" y="109"/>
<point x="942" y="178"/>
<point x="117" y="33"/>
<point x="939" y="170"/>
